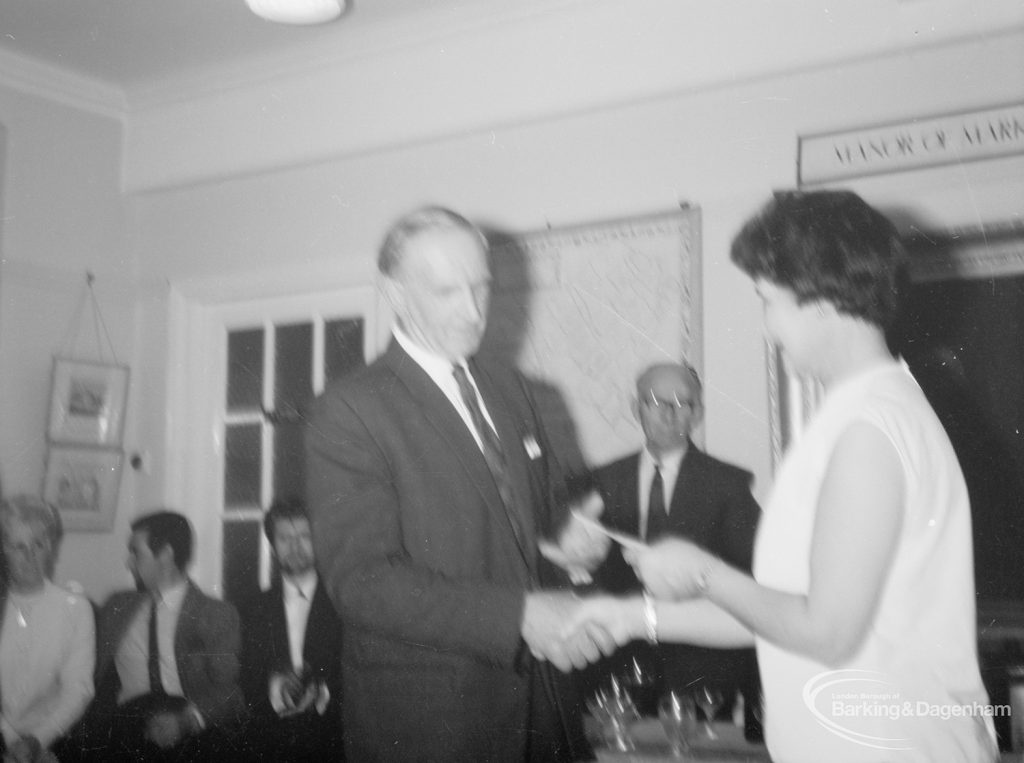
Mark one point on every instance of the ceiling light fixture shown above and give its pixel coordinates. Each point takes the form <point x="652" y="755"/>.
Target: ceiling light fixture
<point x="297" y="11"/>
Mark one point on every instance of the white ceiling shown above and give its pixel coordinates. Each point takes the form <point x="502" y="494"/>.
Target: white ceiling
<point x="143" y="52"/>
<point x="135" y="45"/>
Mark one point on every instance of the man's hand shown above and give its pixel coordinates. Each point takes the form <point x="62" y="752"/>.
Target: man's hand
<point x="620" y="618"/>
<point x="175" y="720"/>
<point x="580" y="548"/>
<point x="290" y="694"/>
<point x="546" y="616"/>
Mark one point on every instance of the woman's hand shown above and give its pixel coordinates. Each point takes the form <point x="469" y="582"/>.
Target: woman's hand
<point x="671" y="568"/>
<point x="25" y="749"/>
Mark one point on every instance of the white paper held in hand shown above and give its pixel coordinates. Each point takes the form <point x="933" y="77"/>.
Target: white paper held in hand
<point x="624" y="540"/>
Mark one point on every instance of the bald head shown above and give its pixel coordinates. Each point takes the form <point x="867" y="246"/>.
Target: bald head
<point x="668" y="406"/>
<point x="678" y="374"/>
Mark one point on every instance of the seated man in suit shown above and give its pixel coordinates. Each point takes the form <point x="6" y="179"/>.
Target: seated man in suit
<point x="670" y="487"/>
<point x="291" y="652"/>
<point x="167" y="655"/>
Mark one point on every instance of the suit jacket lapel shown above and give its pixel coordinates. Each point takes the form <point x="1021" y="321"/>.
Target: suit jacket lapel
<point x="280" y="647"/>
<point x="516" y="460"/>
<point x="440" y="413"/>
<point x="186" y="618"/>
<point x="627" y="487"/>
<point x="687" y="515"/>
<point x="318" y="627"/>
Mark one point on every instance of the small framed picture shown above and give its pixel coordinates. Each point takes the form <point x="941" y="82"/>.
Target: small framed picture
<point x="87" y="402"/>
<point x="83" y="483"/>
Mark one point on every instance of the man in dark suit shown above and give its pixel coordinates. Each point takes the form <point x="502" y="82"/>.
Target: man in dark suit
<point x="671" y="488"/>
<point x="167" y="654"/>
<point x="429" y="482"/>
<point x="291" y="646"/>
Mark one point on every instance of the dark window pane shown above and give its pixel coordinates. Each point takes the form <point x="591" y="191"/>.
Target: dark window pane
<point x="241" y="572"/>
<point x="242" y="454"/>
<point x="961" y="339"/>
<point x="289" y="460"/>
<point x="343" y="347"/>
<point x="293" y="365"/>
<point x="245" y="369"/>
<point x="293" y="393"/>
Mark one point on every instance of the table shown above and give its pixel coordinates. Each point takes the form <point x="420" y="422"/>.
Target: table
<point x="652" y="746"/>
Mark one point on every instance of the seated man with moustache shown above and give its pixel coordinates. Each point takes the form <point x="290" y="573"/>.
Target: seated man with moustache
<point x="291" y="652"/>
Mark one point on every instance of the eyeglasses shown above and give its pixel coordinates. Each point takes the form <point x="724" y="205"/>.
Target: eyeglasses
<point x="660" y="405"/>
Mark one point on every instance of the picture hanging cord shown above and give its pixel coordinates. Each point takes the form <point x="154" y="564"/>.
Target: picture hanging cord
<point x="71" y="339"/>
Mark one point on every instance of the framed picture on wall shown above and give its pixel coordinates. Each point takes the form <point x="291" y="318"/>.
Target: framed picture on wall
<point x="87" y="402"/>
<point x="83" y="483"/>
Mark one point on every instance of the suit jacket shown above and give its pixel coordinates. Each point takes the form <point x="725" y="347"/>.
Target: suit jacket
<point x="425" y="567"/>
<point x="712" y="506"/>
<point x="206" y="647"/>
<point x="265" y="646"/>
<point x="309" y="736"/>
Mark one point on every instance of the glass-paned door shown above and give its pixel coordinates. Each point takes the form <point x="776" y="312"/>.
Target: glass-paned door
<point x="274" y="366"/>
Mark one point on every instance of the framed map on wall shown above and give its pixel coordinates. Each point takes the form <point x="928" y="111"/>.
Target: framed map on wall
<point x="583" y="309"/>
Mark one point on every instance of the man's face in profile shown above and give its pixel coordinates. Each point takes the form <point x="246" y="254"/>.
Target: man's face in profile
<point x="142" y="562"/>
<point x="441" y="291"/>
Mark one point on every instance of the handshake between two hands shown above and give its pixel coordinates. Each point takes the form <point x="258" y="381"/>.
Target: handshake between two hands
<point x="570" y="631"/>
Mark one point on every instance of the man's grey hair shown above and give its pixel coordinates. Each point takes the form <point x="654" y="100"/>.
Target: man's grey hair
<point x="414" y="223"/>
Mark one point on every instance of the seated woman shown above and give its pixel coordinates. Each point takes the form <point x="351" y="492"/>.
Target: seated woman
<point x="47" y="640"/>
<point x="861" y="604"/>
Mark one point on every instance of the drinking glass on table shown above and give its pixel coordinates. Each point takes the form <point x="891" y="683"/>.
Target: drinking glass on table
<point x="641" y="682"/>
<point x="613" y="708"/>
<point x="709" y="699"/>
<point x="678" y="714"/>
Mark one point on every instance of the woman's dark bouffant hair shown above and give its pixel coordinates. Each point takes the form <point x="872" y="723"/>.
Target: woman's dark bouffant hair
<point x="826" y="245"/>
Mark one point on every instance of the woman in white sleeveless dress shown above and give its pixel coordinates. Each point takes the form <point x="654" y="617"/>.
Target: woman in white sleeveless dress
<point x="861" y="604"/>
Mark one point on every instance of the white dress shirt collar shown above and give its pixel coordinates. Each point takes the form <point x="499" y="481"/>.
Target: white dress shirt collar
<point x="439" y="369"/>
<point x="436" y="366"/>
<point x="173" y="596"/>
<point x="298" y="600"/>
<point x="303" y="586"/>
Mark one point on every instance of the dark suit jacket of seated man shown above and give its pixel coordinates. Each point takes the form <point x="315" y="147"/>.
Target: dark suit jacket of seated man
<point x="268" y="656"/>
<point x="428" y="548"/>
<point x="205" y="639"/>
<point x="709" y="503"/>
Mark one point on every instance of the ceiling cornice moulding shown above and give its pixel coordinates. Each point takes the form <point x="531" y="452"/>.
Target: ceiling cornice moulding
<point x="54" y="84"/>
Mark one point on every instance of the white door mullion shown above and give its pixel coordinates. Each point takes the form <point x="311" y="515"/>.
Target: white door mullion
<point x="317" y="356"/>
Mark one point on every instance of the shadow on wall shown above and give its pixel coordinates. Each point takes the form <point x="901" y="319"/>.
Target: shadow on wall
<point x="507" y="330"/>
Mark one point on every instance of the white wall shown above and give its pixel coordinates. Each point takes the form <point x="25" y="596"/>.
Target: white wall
<point x="723" y="150"/>
<point x="319" y="222"/>
<point x="62" y="215"/>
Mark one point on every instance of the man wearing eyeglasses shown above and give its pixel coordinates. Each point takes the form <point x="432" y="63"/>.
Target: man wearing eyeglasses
<point x="671" y="487"/>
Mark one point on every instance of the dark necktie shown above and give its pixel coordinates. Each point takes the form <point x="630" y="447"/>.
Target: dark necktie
<point x="657" y="516"/>
<point x="491" y="446"/>
<point x="153" y="661"/>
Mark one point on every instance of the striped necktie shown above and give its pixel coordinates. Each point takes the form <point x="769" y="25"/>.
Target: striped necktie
<point x="491" y="447"/>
